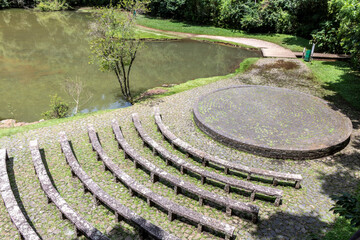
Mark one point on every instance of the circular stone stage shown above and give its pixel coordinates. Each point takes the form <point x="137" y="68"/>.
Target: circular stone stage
<point x="272" y="122"/>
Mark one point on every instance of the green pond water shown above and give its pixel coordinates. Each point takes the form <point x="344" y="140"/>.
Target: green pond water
<point x="38" y="51"/>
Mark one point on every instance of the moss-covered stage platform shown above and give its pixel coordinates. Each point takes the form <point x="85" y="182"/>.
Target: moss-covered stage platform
<point x="272" y="122"/>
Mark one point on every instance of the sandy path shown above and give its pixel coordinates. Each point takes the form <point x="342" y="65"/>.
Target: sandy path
<point x="268" y="49"/>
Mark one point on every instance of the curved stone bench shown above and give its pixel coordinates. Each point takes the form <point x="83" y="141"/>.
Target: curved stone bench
<point x="179" y="184"/>
<point x="172" y="208"/>
<point x="146" y="228"/>
<point x="16" y="215"/>
<point x="184" y="165"/>
<point x="205" y="157"/>
<point x="82" y="227"/>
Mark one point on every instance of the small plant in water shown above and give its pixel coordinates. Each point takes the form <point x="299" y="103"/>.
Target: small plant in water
<point x="11" y="110"/>
<point x="75" y="88"/>
<point x="58" y="108"/>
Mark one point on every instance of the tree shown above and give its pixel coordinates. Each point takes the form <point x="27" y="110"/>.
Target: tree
<point x="114" y="44"/>
<point x="347" y="13"/>
<point x="341" y="32"/>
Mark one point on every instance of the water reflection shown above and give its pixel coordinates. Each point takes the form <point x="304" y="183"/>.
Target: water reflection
<point x="38" y="51"/>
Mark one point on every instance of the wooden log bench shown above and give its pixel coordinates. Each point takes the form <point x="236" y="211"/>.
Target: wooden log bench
<point x="16" y="215"/>
<point x="204" y="174"/>
<point x="82" y="227"/>
<point x="146" y="229"/>
<point x="172" y="208"/>
<point x="179" y="184"/>
<point x="206" y="157"/>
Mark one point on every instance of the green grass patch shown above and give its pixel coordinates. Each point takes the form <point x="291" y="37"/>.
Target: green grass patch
<point x="244" y="65"/>
<point x="226" y="42"/>
<point x="145" y="34"/>
<point x="288" y="41"/>
<point x="14" y="130"/>
<point x="340" y="78"/>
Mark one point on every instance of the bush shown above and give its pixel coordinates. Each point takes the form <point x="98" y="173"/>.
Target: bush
<point x="347" y="13"/>
<point x="341" y="31"/>
<point x="286" y="23"/>
<point x="4" y="4"/>
<point x="327" y="39"/>
<point x="231" y="13"/>
<point x="348" y="206"/>
<point x="202" y="11"/>
<point x="340" y="229"/>
<point x="52" y="5"/>
<point x="58" y="108"/>
<point x="251" y="20"/>
<point x="167" y="8"/>
<point x="196" y="11"/>
<point x="278" y="16"/>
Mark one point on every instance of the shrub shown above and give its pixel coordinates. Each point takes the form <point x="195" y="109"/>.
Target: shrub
<point x="348" y="206"/>
<point x="285" y="22"/>
<point x="4" y="4"/>
<point x="167" y="8"/>
<point x="201" y="11"/>
<point x="196" y="11"/>
<point x="327" y="39"/>
<point x="278" y="16"/>
<point x="231" y="12"/>
<point x="52" y="5"/>
<point x="341" y="31"/>
<point x="340" y="229"/>
<point x="267" y="16"/>
<point x="251" y="20"/>
<point x="58" y="108"/>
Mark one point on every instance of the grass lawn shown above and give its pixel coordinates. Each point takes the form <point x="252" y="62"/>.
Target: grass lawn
<point x="226" y="42"/>
<point x="13" y="130"/>
<point x="288" y="41"/>
<point x="340" y="78"/>
<point x="244" y="65"/>
<point x="144" y="34"/>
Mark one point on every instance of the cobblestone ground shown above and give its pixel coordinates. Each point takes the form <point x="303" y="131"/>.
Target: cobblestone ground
<point x="303" y="213"/>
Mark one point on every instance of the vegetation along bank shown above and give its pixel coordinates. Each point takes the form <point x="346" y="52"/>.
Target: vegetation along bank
<point x="333" y="25"/>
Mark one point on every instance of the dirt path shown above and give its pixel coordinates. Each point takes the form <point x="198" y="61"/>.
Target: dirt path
<point x="268" y="49"/>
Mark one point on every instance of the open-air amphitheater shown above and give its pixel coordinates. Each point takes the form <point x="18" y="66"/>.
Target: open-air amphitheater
<point x="149" y="172"/>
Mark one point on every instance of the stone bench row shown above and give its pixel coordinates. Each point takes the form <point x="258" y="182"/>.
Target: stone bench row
<point x="179" y="184"/>
<point x="205" y="157"/>
<point x="82" y="227"/>
<point x="172" y="208"/>
<point x="204" y="174"/>
<point x="16" y="215"/>
<point x="147" y="230"/>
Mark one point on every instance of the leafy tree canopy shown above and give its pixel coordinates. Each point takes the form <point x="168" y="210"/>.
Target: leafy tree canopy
<point x="114" y="43"/>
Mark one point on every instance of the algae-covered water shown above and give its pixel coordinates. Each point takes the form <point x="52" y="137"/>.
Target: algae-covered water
<point x="38" y="51"/>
